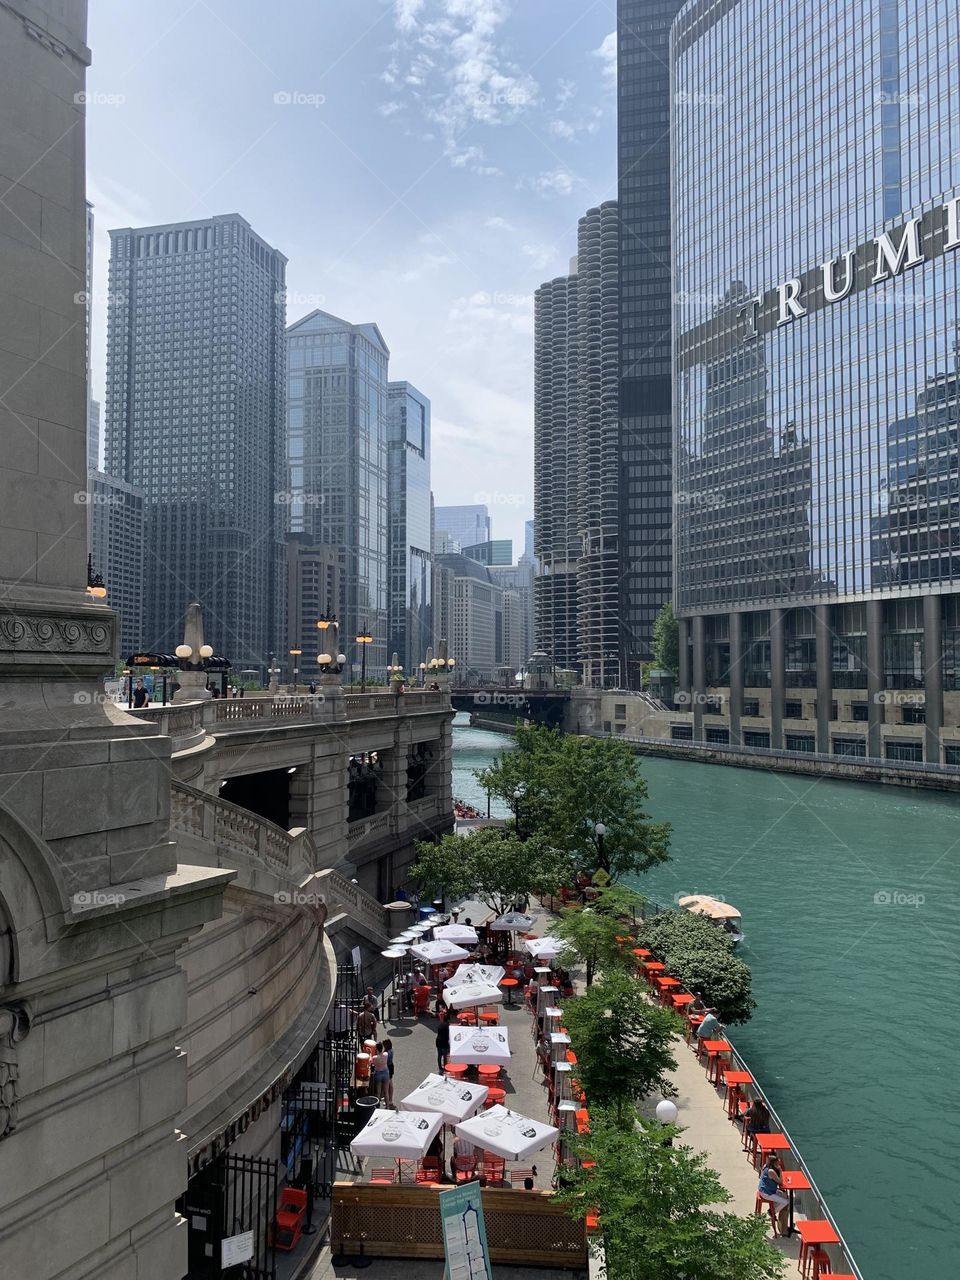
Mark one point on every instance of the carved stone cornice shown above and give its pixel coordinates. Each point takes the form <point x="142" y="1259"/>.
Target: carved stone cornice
<point x="54" y="633"/>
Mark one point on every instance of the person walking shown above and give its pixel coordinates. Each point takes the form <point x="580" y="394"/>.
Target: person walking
<point x="388" y="1050"/>
<point x="366" y="1026"/>
<point x="140" y="696"/>
<point x="443" y="1041"/>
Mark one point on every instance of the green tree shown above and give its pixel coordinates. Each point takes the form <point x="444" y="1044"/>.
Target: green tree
<point x="701" y="956"/>
<point x="568" y="785"/>
<point x="591" y="931"/>
<point x="658" y="1207"/>
<point x="491" y="865"/>
<point x="623" y="1043"/>
<point x="666" y="640"/>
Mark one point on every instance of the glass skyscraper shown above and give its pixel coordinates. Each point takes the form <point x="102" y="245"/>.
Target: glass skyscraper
<point x="643" y="196"/>
<point x="337" y="451"/>
<point x="194" y="419"/>
<point x="816" y="247"/>
<point x="466" y="525"/>
<point x="409" y="550"/>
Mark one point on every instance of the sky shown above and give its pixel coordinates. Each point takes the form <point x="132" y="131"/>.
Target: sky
<point x="421" y="163"/>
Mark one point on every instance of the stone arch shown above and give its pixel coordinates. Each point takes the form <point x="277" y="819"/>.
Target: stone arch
<point x="33" y="900"/>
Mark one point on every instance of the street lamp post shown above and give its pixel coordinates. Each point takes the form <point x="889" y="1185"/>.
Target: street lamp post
<point x="600" y="831"/>
<point x="363" y="639"/>
<point x="517" y="797"/>
<point x="295" y="654"/>
<point x="423" y="674"/>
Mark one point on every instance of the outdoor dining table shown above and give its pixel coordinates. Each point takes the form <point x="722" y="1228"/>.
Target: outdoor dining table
<point x="545" y="999"/>
<point x="794" y="1180"/>
<point x="714" y="1049"/>
<point x="558" y="1046"/>
<point x="733" y="1080"/>
<point x="651" y="968"/>
<point x="767" y="1142"/>
<point x="510" y="984"/>
<point x="814" y="1231"/>
<point x="681" y="999"/>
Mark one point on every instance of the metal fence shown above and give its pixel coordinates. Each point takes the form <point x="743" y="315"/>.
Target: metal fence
<point x="820" y="757"/>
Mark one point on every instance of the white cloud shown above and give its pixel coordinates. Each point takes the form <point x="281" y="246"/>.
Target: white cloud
<point x="566" y="92"/>
<point x="455" y="70"/>
<point x="405" y="13"/>
<point x="499" y="224"/>
<point x="540" y="255"/>
<point x="560" y="129"/>
<point x="607" y="53"/>
<point x="557" y="181"/>
<point x="390" y="108"/>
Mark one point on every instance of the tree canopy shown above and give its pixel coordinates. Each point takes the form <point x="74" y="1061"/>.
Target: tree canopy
<point x="591" y="931"/>
<point x="624" y="1044"/>
<point x="491" y="865"/>
<point x="658" y="1207"/>
<point x="666" y="639"/>
<point x="567" y="785"/>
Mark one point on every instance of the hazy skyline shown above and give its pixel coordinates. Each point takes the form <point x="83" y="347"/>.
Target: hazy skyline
<point x="421" y="163"/>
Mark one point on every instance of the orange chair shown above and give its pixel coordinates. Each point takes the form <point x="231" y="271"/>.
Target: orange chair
<point x="518" y="1175"/>
<point x="495" y="1168"/>
<point x="384" y="1176"/>
<point x="488" y="1073"/>
<point x="490" y="1018"/>
<point x="494" y="1097"/>
<point x="464" y="1168"/>
<point x="467" y="1018"/>
<point x="758" y="1204"/>
<point x="428" y="1169"/>
<point x="815" y="1263"/>
<point x="288" y="1221"/>
<point x="421" y="1000"/>
<point x="455" y="1070"/>
<point x="592" y="1220"/>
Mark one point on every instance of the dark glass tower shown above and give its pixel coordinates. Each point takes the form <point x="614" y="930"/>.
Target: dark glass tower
<point x="194" y="419"/>
<point x="643" y="155"/>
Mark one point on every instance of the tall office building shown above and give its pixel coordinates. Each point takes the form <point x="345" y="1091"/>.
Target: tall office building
<point x="528" y="536"/>
<point x="116" y="545"/>
<point x="643" y="196"/>
<point x="518" y="580"/>
<point x="337" y="448"/>
<point x="600" y="488"/>
<point x="93" y="433"/>
<point x="471" y="613"/>
<point x="194" y="418"/>
<point x="817" y="375"/>
<point x="496" y="551"/>
<point x="466" y="525"/>
<point x="557" y="543"/>
<point x="409" y="522"/>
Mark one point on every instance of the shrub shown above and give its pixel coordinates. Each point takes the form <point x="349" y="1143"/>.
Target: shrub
<point x="701" y="956"/>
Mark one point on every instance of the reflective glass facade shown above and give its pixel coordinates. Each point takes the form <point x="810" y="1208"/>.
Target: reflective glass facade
<point x="194" y="419"/>
<point x="643" y="197"/>
<point x="408" y="532"/>
<point x="337" y="453"/>
<point x="816" y="441"/>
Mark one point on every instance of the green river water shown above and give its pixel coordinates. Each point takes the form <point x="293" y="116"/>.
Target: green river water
<point x="850" y="897"/>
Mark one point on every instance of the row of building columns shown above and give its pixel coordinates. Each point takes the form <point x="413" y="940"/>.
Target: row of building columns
<point x="692" y="688"/>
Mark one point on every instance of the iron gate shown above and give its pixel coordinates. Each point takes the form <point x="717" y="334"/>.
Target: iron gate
<point x="232" y="1196"/>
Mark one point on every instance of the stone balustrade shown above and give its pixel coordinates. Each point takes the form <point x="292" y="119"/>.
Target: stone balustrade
<point x="234" y="828"/>
<point x="342" y="895"/>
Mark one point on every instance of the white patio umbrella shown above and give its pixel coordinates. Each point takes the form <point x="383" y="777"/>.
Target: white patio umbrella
<point x="479" y="1044"/>
<point x="489" y="973"/>
<point x="456" y="933"/>
<point x="397" y="1135"/>
<point x="437" y="952"/>
<point x="505" y="1133"/>
<point x="513" y="922"/>
<point x="472" y="995"/>
<point x="455" y="1100"/>
<point x="547" y="948"/>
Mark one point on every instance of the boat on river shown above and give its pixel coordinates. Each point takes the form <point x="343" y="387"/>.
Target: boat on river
<point x="722" y="914"/>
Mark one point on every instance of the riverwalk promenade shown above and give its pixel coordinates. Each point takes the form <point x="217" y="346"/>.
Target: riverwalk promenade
<point x="703" y="1117"/>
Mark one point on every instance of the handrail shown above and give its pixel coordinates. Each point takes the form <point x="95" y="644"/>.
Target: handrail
<point x="821" y="757"/>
